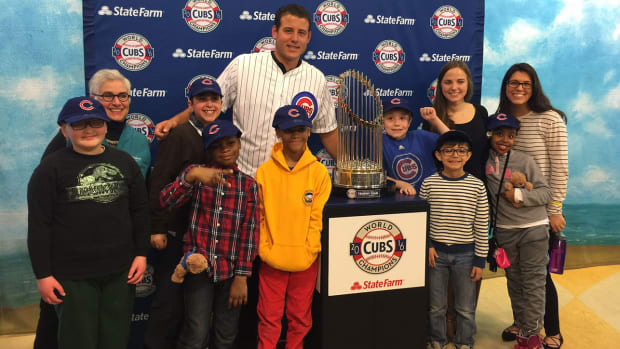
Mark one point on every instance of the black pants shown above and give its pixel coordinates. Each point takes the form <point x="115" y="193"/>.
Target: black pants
<point x="47" y="328"/>
<point x="552" y="316"/>
<point x="164" y="325"/>
<point x="248" y="321"/>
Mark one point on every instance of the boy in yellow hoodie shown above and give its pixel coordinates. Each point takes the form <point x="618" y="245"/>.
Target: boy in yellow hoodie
<point x="293" y="188"/>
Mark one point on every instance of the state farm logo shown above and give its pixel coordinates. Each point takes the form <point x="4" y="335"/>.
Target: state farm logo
<point x="438" y="57"/>
<point x="380" y="19"/>
<point x="202" y="16"/>
<point x="447" y="22"/>
<point x="388" y="56"/>
<point x="377" y="246"/>
<point x="257" y="16"/>
<point x="331" y="56"/>
<point x="267" y="43"/>
<point x="331" y="18"/>
<point x="133" y="52"/>
<point x="202" y="53"/>
<point x="332" y="87"/>
<point x="121" y="11"/>
<point x="390" y="92"/>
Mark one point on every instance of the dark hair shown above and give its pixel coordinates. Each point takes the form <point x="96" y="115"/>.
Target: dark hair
<point x="440" y="104"/>
<point x="295" y="10"/>
<point x="538" y="102"/>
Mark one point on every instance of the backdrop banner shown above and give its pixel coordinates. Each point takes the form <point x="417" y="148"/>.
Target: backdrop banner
<point x="163" y="46"/>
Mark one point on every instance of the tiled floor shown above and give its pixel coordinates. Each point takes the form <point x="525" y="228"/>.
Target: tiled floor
<point x="589" y="311"/>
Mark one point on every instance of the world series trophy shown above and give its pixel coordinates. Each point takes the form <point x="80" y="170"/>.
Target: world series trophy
<point x="359" y="164"/>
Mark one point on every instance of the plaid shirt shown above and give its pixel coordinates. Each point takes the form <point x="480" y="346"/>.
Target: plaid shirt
<point x="224" y="222"/>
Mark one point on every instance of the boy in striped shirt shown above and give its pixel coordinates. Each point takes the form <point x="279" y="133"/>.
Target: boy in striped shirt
<point x="224" y="227"/>
<point x="459" y="215"/>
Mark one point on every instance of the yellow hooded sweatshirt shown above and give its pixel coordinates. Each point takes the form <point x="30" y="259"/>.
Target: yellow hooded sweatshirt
<point x="291" y="210"/>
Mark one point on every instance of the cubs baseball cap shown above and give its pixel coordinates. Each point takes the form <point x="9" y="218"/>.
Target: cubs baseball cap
<point x="218" y="129"/>
<point x="81" y="108"/>
<point x="453" y="137"/>
<point x="290" y="116"/>
<point x="204" y="85"/>
<point x="390" y="103"/>
<point x="502" y="120"/>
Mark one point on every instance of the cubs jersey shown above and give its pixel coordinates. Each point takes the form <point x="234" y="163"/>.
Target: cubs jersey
<point x="255" y="87"/>
<point x="411" y="158"/>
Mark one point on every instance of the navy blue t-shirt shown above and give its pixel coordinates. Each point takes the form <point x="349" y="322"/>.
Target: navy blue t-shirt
<point x="411" y="158"/>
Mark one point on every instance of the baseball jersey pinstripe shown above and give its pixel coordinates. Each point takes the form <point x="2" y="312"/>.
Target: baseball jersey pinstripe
<point x="255" y="86"/>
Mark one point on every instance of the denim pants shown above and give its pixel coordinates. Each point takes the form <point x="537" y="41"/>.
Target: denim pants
<point x="206" y="304"/>
<point x="454" y="267"/>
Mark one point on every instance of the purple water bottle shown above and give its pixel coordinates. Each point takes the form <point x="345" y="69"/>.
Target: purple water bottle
<point x="557" y="253"/>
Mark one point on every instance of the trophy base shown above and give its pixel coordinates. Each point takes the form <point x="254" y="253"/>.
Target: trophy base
<point x="357" y="193"/>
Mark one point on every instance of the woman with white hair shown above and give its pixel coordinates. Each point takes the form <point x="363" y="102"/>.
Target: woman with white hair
<point x="112" y="89"/>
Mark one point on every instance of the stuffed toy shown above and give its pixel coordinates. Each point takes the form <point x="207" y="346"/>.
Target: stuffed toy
<point x="517" y="180"/>
<point x="194" y="263"/>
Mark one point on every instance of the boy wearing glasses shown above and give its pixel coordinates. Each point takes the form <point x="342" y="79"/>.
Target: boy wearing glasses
<point x="293" y="188"/>
<point x="457" y="238"/>
<point x="88" y="225"/>
<point x="407" y="155"/>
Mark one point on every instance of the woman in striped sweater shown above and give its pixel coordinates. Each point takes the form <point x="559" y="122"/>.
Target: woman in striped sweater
<point x="543" y="136"/>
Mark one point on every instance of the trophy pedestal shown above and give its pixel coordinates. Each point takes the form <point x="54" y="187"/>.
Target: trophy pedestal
<point x="359" y="184"/>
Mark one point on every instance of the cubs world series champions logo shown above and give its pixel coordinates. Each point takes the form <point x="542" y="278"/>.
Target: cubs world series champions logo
<point x="202" y="16"/>
<point x="388" y="56"/>
<point x="133" y="52"/>
<point x="143" y="124"/>
<point x="331" y="18"/>
<point x="377" y="246"/>
<point x="265" y="44"/>
<point x="447" y="22"/>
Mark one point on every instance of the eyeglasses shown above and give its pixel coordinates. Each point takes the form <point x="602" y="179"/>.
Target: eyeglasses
<point x="459" y="151"/>
<point x="514" y="84"/>
<point x="94" y="123"/>
<point x="109" y="96"/>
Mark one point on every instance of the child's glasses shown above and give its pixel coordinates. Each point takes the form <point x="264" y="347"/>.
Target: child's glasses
<point x="94" y="123"/>
<point x="459" y="151"/>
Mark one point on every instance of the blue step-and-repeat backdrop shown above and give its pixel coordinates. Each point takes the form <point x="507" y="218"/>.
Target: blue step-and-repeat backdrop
<point x="163" y="46"/>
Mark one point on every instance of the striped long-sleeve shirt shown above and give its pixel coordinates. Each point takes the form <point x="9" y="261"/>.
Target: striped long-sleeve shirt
<point x="459" y="214"/>
<point x="224" y="221"/>
<point x="543" y="136"/>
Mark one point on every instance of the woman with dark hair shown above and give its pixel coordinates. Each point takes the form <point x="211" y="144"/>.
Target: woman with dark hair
<point x="451" y="105"/>
<point x="455" y="87"/>
<point x="543" y="136"/>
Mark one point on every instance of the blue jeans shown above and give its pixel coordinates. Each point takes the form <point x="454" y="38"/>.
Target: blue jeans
<point x="203" y="297"/>
<point x="457" y="268"/>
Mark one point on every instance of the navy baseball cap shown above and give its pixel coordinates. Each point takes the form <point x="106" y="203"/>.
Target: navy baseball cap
<point x="453" y="137"/>
<point x="290" y="116"/>
<point x="204" y="85"/>
<point x="81" y="108"/>
<point x="502" y="120"/>
<point x="390" y="103"/>
<point x="218" y="129"/>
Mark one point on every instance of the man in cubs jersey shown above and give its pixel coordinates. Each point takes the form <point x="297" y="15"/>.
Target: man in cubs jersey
<point x="257" y="84"/>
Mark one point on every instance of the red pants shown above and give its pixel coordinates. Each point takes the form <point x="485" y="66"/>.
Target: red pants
<point x="274" y="286"/>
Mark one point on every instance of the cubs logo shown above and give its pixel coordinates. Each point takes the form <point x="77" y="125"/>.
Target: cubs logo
<point x="377" y="246"/>
<point x="331" y="18"/>
<point x="447" y="22"/>
<point x="388" y="56"/>
<point x="201" y="76"/>
<point x="308" y="195"/>
<point x="265" y="44"/>
<point x="214" y="129"/>
<point x="133" y="52"/>
<point x="202" y="16"/>
<point x="86" y="105"/>
<point x="332" y="87"/>
<point x="395" y="101"/>
<point x="501" y="116"/>
<point x="142" y="124"/>
<point x="431" y="91"/>
<point x="407" y="167"/>
<point x="327" y="161"/>
<point x="146" y="287"/>
<point x="307" y="101"/>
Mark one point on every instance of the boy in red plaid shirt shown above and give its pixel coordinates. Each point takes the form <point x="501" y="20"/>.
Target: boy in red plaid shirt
<point x="224" y="227"/>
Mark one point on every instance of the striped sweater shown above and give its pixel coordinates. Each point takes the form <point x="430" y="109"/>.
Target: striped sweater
<point x="459" y="214"/>
<point x="543" y="136"/>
